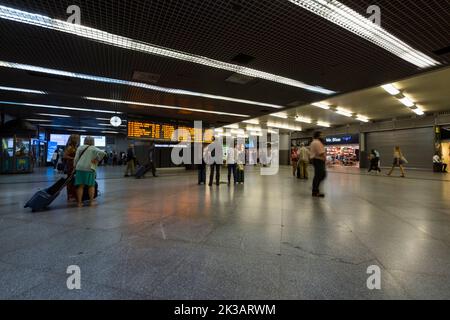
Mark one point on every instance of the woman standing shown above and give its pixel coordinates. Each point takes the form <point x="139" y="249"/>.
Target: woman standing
<point x="86" y="161"/>
<point x="69" y="156"/>
<point x="399" y="161"/>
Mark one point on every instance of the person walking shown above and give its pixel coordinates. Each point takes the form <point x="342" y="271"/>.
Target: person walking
<point x="231" y="164"/>
<point x="399" y="161"/>
<point x="69" y="157"/>
<point x="374" y="161"/>
<point x="318" y="156"/>
<point x="86" y="161"/>
<point x="303" y="162"/>
<point x="294" y="159"/>
<point x="131" y="158"/>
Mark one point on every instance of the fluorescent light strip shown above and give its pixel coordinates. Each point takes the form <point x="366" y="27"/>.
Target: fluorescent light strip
<point x="131" y="84"/>
<point x="252" y="121"/>
<point x="323" y="124"/>
<point x="303" y="119"/>
<point x="38" y="120"/>
<point x="362" y="118"/>
<point x="391" y="89"/>
<point x="255" y="134"/>
<point x="22" y="90"/>
<point x="166" y="107"/>
<point x="56" y="107"/>
<point x="134" y="45"/>
<point x="252" y="128"/>
<point x="112" y="132"/>
<point x="53" y="115"/>
<point x="232" y="126"/>
<point x="283" y="126"/>
<point x="356" y="23"/>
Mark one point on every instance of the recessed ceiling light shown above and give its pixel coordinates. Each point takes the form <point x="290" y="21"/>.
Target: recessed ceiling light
<point x="418" y="111"/>
<point x="135" y="45"/>
<point x="344" y="112"/>
<point x="165" y="107"/>
<point x="356" y="23"/>
<point x="391" y="89"/>
<point x="279" y="115"/>
<point x="407" y="102"/>
<point x="321" y="105"/>
<point x="22" y="90"/>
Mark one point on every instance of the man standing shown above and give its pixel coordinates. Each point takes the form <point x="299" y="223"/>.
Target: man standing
<point x="303" y="161"/>
<point x="130" y="161"/>
<point x="215" y="160"/>
<point x="151" y="159"/>
<point x="318" y="156"/>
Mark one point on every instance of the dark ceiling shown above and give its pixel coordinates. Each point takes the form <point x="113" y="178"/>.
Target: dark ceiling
<point x="282" y="39"/>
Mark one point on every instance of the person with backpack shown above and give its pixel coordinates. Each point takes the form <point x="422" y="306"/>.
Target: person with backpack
<point x="86" y="161"/>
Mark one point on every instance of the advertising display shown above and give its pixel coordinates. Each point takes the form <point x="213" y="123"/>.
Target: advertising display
<point x="51" y="148"/>
<point x="60" y="139"/>
<point x="100" y="141"/>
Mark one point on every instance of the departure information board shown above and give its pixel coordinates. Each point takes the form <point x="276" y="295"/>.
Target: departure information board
<point x="162" y="131"/>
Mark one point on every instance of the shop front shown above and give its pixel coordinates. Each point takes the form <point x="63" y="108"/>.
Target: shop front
<point x="343" y="150"/>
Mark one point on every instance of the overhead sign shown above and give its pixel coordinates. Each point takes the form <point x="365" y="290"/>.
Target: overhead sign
<point x="161" y="131"/>
<point x="342" y="139"/>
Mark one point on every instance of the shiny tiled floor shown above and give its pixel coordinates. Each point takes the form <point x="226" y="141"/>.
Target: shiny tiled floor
<point x="168" y="238"/>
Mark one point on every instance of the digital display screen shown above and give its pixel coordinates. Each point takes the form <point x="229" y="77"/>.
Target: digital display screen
<point x="99" y="141"/>
<point x="51" y="148"/>
<point x="163" y="131"/>
<point x="60" y="139"/>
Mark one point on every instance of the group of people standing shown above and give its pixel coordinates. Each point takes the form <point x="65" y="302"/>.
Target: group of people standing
<point x="81" y="162"/>
<point x="131" y="161"/>
<point x="235" y="162"/>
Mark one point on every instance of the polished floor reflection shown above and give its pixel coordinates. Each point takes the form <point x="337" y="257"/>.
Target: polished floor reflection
<point x="168" y="238"/>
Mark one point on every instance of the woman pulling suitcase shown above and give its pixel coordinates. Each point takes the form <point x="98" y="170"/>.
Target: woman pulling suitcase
<point x="86" y="161"/>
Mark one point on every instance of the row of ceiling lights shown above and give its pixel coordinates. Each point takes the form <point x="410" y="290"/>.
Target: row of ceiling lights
<point x="406" y="101"/>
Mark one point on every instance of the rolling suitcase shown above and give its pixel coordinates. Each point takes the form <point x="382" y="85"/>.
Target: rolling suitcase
<point x="141" y="171"/>
<point x="43" y="198"/>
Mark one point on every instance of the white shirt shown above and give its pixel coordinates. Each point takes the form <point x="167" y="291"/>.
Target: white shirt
<point x="231" y="158"/>
<point x="436" y="159"/>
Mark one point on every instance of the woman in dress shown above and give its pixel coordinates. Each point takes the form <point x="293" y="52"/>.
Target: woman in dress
<point x="69" y="156"/>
